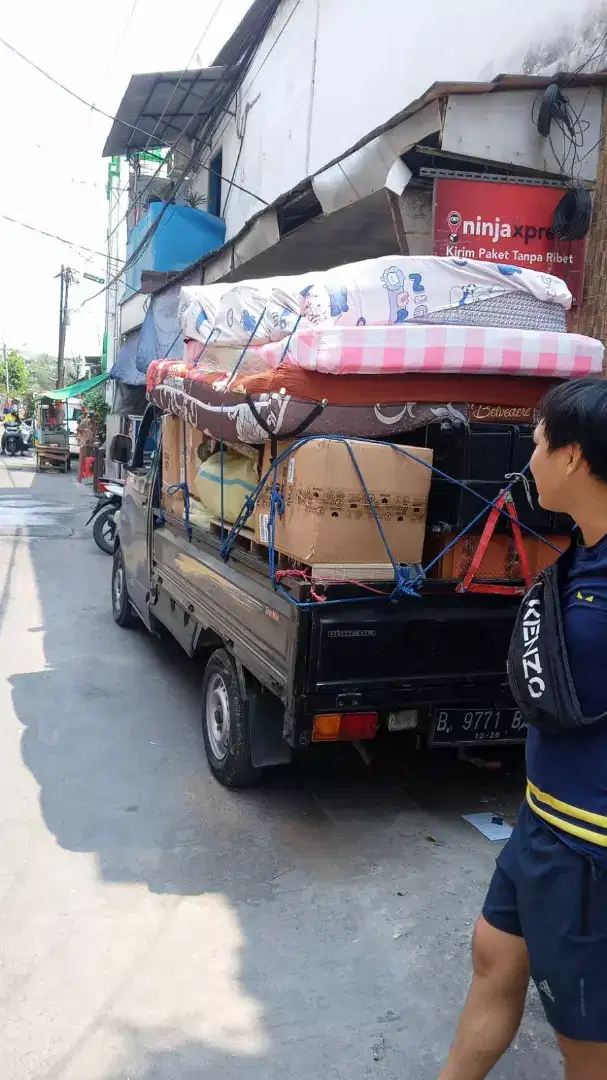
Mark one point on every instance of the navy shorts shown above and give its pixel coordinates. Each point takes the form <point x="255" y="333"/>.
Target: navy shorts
<point x="556" y="899"/>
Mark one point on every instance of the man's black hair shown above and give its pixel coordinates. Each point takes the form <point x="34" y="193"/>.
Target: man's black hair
<point x="575" y="413"/>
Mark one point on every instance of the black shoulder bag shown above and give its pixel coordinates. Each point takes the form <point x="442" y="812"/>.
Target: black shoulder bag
<point x="538" y="666"/>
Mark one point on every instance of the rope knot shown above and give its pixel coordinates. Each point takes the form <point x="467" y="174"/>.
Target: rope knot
<point x="403" y="585"/>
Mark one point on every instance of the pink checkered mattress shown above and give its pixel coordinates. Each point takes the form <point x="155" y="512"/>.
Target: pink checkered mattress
<point x="392" y="350"/>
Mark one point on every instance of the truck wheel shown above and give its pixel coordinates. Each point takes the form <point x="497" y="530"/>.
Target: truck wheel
<point x="225" y="724"/>
<point x="121" y="606"/>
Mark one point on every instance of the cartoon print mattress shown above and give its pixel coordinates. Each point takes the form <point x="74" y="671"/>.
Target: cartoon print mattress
<point x="386" y="291"/>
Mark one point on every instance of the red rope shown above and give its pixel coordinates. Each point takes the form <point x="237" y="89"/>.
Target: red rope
<point x="305" y="576"/>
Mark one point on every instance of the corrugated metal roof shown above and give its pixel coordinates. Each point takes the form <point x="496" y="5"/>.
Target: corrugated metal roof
<point x="161" y="107"/>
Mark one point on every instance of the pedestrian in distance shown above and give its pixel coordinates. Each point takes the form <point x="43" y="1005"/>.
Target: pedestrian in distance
<point x="545" y="914"/>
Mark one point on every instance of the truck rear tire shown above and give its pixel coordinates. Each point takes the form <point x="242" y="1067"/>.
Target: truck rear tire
<point x="225" y="724"/>
<point x="121" y="605"/>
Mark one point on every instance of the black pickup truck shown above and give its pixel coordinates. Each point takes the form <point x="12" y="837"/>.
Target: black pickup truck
<point x="278" y="676"/>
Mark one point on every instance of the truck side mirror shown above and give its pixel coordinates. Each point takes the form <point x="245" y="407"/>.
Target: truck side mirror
<point x="121" y="448"/>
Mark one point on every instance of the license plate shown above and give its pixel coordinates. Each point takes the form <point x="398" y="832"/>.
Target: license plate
<point x="458" y="727"/>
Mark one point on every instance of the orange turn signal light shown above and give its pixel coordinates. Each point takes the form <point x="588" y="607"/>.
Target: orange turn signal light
<point x="344" y="727"/>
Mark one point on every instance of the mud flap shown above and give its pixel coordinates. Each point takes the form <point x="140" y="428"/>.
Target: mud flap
<point x="266" y="715"/>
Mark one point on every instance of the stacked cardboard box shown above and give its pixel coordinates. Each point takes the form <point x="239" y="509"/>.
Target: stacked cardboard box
<point x="327" y="518"/>
<point x="180" y="461"/>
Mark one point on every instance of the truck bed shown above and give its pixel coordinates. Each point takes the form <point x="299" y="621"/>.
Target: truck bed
<point x="370" y="655"/>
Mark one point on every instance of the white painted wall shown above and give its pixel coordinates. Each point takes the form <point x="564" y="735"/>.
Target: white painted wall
<point x="330" y="71"/>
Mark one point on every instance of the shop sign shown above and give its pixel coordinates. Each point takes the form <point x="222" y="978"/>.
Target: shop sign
<point x="505" y="223"/>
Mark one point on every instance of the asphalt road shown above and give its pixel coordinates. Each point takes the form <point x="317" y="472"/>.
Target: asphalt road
<point x="154" y="926"/>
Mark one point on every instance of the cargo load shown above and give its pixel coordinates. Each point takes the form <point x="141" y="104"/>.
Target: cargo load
<point x="367" y="437"/>
<point x="387" y="291"/>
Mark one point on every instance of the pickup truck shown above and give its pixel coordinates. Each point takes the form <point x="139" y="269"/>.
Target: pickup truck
<point x="278" y="677"/>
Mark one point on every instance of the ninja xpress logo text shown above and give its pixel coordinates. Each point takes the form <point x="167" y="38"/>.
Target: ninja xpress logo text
<point x="492" y="235"/>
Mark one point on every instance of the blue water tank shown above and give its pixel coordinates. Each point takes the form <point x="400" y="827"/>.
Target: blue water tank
<point x="182" y="236"/>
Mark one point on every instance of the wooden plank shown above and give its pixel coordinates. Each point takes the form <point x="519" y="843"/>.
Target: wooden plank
<point x="353" y="572"/>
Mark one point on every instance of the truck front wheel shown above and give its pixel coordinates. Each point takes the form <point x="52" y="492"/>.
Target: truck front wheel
<point x="121" y="605"/>
<point x="225" y="724"/>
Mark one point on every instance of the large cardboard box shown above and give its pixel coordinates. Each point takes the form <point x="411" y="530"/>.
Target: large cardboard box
<point x="327" y="518"/>
<point x="172" y="464"/>
<point x="180" y="461"/>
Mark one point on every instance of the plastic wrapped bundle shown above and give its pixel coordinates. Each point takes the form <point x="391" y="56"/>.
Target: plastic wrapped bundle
<point x="388" y="291"/>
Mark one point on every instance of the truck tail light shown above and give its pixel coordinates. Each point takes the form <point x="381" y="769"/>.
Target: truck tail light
<point x="344" y="727"/>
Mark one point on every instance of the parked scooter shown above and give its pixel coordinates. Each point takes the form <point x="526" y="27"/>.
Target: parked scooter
<point x="12" y="442"/>
<point x="106" y="513"/>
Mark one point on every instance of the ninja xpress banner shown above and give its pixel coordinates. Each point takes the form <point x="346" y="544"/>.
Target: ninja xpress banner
<point x="505" y="223"/>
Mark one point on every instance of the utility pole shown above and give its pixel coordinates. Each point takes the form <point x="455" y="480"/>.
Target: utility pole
<point x="61" y="347"/>
<point x="112" y="317"/>
<point x="67" y="277"/>
<point x="4" y="354"/>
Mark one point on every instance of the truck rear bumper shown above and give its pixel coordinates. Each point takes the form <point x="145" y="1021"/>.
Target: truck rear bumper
<point x="426" y="698"/>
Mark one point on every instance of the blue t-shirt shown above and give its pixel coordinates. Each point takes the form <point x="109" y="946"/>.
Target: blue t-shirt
<point x="573" y="767"/>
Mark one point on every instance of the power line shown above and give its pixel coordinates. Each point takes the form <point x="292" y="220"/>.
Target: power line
<point x="116" y="119"/>
<point x="133" y="127"/>
<point x="139" y="195"/>
<point x="53" y="236"/>
<point x="159" y="221"/>
<point x="185" y="70"/>
<point x="72" y="93"/>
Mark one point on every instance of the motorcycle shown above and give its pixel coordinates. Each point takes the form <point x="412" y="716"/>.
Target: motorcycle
<point x="13" y="443"/>
<point x="106" y="513"/>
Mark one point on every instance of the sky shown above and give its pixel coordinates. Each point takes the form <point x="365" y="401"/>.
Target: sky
<point x="53" y="176"/>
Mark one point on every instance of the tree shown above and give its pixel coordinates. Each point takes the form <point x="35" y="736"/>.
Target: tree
<point x="18" y="375"/>
<point x="43" y="373"/>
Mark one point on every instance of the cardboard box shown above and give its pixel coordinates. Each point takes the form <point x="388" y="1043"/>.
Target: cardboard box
<point x="172" y="464"/>
<point x="180" y="461"/>
<point x="501" y="561"/>
<point x="327" y="517"/>
<point x="194" y="439"/>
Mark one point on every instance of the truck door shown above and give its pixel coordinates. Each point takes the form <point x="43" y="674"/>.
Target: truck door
<point x="136" y="519"/>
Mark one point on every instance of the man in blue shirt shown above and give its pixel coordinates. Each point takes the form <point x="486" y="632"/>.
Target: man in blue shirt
<point x="545" y="915"/>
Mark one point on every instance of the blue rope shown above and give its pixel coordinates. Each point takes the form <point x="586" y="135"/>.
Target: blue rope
<point x="203" y="348"/>
<point x="221" y="443"/>
<point x="286" y="348"/>
<point x="244" y="352"/>
<point x="404" y="584"/>
<point x="277" y="506"/>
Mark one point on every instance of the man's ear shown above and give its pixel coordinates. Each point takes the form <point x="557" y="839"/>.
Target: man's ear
<point x="575" y="459"/>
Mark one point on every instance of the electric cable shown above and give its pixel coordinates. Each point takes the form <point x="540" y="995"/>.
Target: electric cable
<point x="571" y="219"/>
<point x="185" y="70"/>
<point x="172" y="148"/>
<point x="251" y="48"/>
<point x="572" y="216"/>
<point x="109" y="116"/>
<point x="228" y="92"/>
<point x="53" y="236"/>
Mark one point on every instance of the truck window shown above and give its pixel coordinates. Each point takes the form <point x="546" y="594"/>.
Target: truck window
<point x="146" y="443"/>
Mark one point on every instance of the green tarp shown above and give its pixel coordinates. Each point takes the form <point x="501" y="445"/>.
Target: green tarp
<point x="76" y="389"/>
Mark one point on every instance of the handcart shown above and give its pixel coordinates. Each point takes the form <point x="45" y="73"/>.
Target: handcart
<point x="52" y="436"/>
